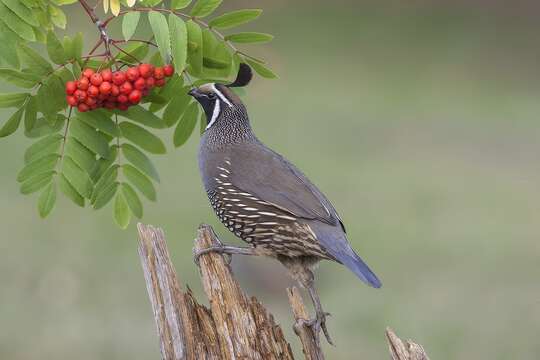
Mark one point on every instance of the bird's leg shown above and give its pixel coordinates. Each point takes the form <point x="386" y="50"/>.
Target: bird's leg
<point x="224" y="249"/>
<point x="319" y="322"/>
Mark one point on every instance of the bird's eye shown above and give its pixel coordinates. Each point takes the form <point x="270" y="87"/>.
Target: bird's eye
<point x="211" y="96"/>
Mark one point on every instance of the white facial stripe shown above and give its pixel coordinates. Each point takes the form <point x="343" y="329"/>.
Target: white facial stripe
<point x="221" y="96"/>
<point x="215" y="114"/>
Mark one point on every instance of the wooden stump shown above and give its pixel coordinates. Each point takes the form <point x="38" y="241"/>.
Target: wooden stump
<point x="235" y="326"/>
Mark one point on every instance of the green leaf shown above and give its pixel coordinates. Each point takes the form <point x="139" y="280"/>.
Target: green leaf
<point x="47" y="199"/>
<point x="137" y="51"/>
<point x="85" y="158"/>
<point x="10" y="41"/>
<point x="140" y="161"/>
<point x="172" y="88"/>
<point x="77" y="177"/>
<point x="179" y="4"/>
<point x="176" y="108"/>
<point x="249" y="37"/>
<point x="12" y="124"/>
<point x="234" y="18"/>
<point x="109" y="176"/>
<point x="122" y="214"/>
<point x="55" y="49"/>
<point x="34" y="61"/>
<point x="43" y="127"/>
<point x="36" y="182"/>
<point x="204" y="8"/>
<point x="195" y="47"/>
<point x="70" y="191"/>
<point x="58" y="17"/>
<point x="12" y="100"/>
<point x="142" y="116"/>
<point x="51" y="96"/>
<point x="178" y="35"/>
<point x="18" y="78"/>
<point x="186" y="125"/>
<point x="142" y="138"/>
<point x="73" y="47"/>
<point x="159" y="26"/>
<point x="140" y="181"/>
<point x="129" y="24"/>
<point x="100" y="119"/>
<point x="103" y="164"/>
<point x="105" y="196"/>
<point x="132" y="200"/>
<point x="16" y="24"/>
<point x="41" y="165"/>
<point x="89" y="137"/>
<point x="30" y="114"/>
<point x="22" y="11"/>
<point x="261" y="69"/>
<point x="44" y="147"/>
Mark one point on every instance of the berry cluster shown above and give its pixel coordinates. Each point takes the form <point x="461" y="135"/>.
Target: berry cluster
<point x="115" y="90"/>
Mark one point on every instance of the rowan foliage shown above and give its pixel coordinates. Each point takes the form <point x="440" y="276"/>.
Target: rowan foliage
<point x="87" y="141"/>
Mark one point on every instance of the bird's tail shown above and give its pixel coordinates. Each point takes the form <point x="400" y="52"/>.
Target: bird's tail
<point x="336" y="244"/>
<point x="359" y="267"/>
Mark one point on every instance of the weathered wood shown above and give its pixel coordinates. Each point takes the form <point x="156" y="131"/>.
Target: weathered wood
<point x="400" y="350"/>
<point x="235" y="326"/>
<point x="245" y="328"/>
<point x="310" y="345"/>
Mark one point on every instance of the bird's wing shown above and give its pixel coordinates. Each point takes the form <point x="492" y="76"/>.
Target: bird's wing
<point x="270" y="177"/>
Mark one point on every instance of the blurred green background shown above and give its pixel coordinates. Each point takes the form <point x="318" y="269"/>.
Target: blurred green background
<point x="419" y="119"/>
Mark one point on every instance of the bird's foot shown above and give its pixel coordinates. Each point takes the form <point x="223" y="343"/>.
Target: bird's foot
<point x="319" y="323"/>
<point x="218" y="249"/>
<point x="223" y="250"/>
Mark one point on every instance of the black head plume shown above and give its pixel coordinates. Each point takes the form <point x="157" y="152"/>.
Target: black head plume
<point x="243" y="77"/>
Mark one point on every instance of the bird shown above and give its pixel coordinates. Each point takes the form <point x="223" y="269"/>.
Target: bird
<point x="265" y="200"/>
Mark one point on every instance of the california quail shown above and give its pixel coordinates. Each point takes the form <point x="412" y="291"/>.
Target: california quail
<point x="264" y="199"/>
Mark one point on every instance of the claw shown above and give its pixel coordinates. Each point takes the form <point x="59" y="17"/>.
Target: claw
<point x="319" y="323"/>
<point x="220" y="249"/>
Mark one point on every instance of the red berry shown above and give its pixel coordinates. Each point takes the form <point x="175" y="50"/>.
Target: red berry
<point x="105" y="88"/>
<point x="106" y="75"/>
<point x="90" y="101"/>
<point x="145" y="92"/>
<point x="160" y="82"/>
<point x="123" y="106"/>
<point x="80" y="95"/>
<point x="110" y="105"/>
<point x="145" y="70"/>
<point x="83" y="83"/>
<point x="115" y="90"/>
<point x="122" y="99"/>
<point x="93" y="91"/>
<point x="168" y="70"/>
<point x="158" y="73"/>
<point x="135" y="96"/>
<point x="96" y="79"/>
<point x="88" y="73"/>
<point x="139" y="84"/>
<point x="132" y="73"/>
<point x="126" y="88"/>
<point x="83" y="107"/>
<point x="71" y="100"/>
<point x="119" y="77"/>
<point x="150" y="82"/>
<point x="71" y="86"/>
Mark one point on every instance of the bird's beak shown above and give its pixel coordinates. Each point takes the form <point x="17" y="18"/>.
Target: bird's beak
<point x="194" y="92"/>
